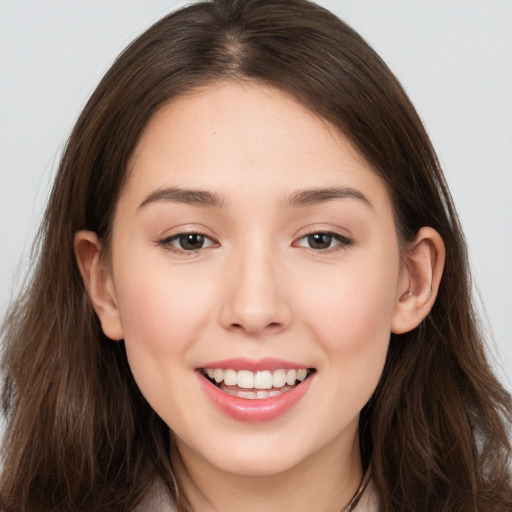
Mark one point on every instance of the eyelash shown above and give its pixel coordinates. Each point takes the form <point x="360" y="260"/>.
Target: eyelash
<point x="342" y="242"/>
<point x="167" y="243"/>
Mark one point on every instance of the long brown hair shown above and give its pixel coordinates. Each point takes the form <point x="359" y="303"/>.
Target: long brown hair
<point x="81" y="437"/>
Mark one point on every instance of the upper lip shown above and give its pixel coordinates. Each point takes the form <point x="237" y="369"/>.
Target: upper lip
<point x="255" y="365"/>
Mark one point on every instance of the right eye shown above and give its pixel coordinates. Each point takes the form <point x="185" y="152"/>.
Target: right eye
<point x="186" y="242"/>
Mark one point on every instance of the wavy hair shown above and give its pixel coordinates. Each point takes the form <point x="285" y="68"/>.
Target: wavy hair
<point x="80" y="436"/>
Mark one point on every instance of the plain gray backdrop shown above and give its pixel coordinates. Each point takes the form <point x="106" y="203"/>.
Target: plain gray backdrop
<point x="454" y="58"/>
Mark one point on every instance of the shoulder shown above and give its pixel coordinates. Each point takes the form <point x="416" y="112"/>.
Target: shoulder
<point x="156" y="501"/>
<point x="369" y="501"/>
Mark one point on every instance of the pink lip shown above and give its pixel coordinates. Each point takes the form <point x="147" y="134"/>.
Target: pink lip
<point x="264" y="409"/>
<point x="259" y="365"/>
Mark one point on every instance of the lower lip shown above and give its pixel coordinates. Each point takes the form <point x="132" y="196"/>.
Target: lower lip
<point x="247" y="410"/>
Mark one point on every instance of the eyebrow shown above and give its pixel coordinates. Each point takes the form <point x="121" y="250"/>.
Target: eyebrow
<point x="204" y="198"/>
<point x="309" y="197"/>
<point x="184" y="196"/>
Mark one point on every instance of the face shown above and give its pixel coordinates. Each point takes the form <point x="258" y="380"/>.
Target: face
<point x="255" y="271"/>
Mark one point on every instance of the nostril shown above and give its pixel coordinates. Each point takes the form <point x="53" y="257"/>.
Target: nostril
<point x="273" y="326"/>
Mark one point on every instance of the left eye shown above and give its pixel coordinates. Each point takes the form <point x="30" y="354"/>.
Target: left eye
<point x="187" y="242"/>
<point x="322" y="241"/>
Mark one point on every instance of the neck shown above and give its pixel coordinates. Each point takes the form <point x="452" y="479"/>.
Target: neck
<point x="324" y="482"/>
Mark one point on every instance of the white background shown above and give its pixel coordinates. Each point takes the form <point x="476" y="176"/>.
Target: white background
<point x="453" y="57"/>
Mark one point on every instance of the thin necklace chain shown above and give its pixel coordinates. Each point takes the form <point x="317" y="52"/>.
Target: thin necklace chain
<point x="357" y="496"/>
<point x="360" y="491"/>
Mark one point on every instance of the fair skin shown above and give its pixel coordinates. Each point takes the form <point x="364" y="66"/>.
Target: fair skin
<point x="250" y="234"/>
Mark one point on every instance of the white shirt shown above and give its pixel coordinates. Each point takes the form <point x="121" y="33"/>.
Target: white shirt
<point x="158" y="502"/>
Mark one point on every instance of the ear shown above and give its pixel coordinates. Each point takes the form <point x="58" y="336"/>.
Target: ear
<point x="419" y="281"/>
<point x="98" y="282"/>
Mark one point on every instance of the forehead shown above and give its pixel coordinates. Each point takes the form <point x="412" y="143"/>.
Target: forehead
<point x="230" y="136"/>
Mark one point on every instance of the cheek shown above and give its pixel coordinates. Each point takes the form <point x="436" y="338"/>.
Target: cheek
<point x="162" y="316"/>
<point x="351" y="325"/>
<point x="161" y="312"/>
<point x="350" y="312"/>
<point x="353" y="301"/>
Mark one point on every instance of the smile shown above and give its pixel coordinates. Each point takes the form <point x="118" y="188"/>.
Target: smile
<point x="256" y="385"/>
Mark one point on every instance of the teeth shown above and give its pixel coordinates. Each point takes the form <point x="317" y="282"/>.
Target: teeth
<point x="245" y="379"/>
<point x="256" y="395"/>
<point x="230" y="378"/>
<point x="262" y="380"/>
<point x="302" y="374"/>
<point x="291" y="377"/>
<point x="251" y="395"/>
<point x="278" y="379"/>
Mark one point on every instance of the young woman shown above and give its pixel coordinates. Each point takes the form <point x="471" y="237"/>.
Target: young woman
<point x="252" y="291"/>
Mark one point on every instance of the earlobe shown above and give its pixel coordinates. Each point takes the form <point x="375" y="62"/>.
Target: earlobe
<point x="420" y="279"/>
<point x="98" y="282"/>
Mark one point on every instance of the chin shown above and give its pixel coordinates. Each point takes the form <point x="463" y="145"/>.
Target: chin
<point x="270" y="465"/>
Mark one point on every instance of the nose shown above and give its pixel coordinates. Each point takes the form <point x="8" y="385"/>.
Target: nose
<point x="255" y="296"/>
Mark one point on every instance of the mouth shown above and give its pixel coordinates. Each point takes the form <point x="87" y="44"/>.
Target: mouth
<point x="256" y="385"/>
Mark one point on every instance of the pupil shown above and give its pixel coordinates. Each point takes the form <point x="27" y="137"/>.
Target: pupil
<point x="191" y="242"/>
<point x="319" y="241"/>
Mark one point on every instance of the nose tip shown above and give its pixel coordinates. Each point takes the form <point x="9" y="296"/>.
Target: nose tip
<point x="254" y="313"/>
<point x="255" y="322"/>
<point x="255" y="300"/>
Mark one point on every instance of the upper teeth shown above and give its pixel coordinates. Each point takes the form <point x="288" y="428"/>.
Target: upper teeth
<point x="259" y="380"/>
